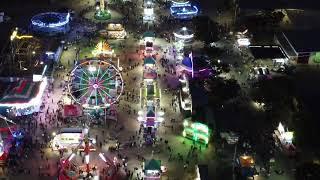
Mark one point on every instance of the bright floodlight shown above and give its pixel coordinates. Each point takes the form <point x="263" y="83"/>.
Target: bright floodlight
<point x="92" y="68"/>
<point x="102" y="157"/>
<point x="140" y="113"/>
<point x="87" y="159"/>
<point x="140" y="118"/>
<point x="243" y="42"/>
<point x="71" y="157"/>
<point x="160" y="119"/>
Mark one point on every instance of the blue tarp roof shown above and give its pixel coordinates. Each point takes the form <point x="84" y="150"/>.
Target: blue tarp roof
<point x="149" y="34"/>
<point x="149" y="60"/>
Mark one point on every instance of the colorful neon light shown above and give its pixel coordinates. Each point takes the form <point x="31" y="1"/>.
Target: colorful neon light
<point x="36" y="20"/>
<point x="181" y="9"/>
<point x="36" y="101"/>
<point x="196" y="131"/>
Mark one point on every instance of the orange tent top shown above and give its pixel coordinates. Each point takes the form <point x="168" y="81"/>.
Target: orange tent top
<point x="246" y="161"/>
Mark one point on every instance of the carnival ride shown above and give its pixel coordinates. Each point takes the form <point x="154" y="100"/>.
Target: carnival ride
<point x="50" y="23"/>
<point x="183" y="10"/>
<point x="101" y="12"/>
<point x="95" y="84"/>
<point x="71" y="170"/>
<point x="103" y="49"/>
<point x="10" y="139"/>
<point x="184" y="35"/>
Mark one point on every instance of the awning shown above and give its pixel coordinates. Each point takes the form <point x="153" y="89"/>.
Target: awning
<point x="152" y="165"/>
<point x="149" y="34"/>
<point x="149" y="60"/>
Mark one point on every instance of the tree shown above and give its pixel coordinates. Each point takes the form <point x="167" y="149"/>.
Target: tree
<point x="222" y="90"/>
<point x="205" y="29"/>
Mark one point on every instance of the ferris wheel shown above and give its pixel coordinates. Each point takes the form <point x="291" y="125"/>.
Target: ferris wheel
<point x="95" y="84"/>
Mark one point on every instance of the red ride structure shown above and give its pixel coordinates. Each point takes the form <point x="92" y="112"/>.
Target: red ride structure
<point x="71" y="171"/>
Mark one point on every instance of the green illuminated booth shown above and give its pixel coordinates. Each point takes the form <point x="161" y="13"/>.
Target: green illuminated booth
<point x="196" y="131"/>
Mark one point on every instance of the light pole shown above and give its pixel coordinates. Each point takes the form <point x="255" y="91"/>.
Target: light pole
<point x="234" y="160"/>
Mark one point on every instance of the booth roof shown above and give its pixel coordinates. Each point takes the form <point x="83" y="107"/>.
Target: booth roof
<point x="149" y="60"/>
<point x="152" y="164"/>
<point x="20" y="92"/>
<point x="149" y="34"/>
<point x="184" y="32"/>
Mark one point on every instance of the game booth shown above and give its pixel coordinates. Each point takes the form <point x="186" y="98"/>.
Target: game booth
<point x="284" y="139"/>
<point x="149" y="38"/>
<point x="150" y="116"/>
<point x="148" y="12"/>
<point x="150" y="69"/>
<point x="69" y="138"/>
<point x="184" y="35"/>
<point x="50" y="23"/>
<point x="23" y="97"/>
<point x="150" y="92"/>
<point x="114" y="31"/>
<point x="246" y="166"/>
<point x="196" y="131"/>
<point x="185" y="96"/>
<point x="183" y="10"/>
<point x="72" y="110"/>
<point x="152" y="169"/>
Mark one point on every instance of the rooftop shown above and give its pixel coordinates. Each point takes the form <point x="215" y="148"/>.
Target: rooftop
<point x="267" y="52"/>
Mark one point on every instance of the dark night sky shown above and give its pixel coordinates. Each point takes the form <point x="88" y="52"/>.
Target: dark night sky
<point x="290" y="4"/>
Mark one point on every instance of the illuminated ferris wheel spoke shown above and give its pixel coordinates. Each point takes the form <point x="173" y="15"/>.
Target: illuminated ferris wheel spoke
<point x="111" y="77"/>
<point x="98" y="71"/>
<point x="103" y="100"/>
<point x="107" y="70"/>
<point x="79" y="84"/>
<point x="96" y="97"/>
<point x="83" y="95"/>
<point x="80" y="89"/>
<point x="106" y="93"/>
<point x="88" y="99"/>
<point x="104" y="87"/>
<point x="82" y="78"/>
<point x="84" y="72"/>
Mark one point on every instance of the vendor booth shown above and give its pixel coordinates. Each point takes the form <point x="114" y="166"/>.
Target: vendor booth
<point x="116" y="31"/>
<point x="152" y="169"/>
